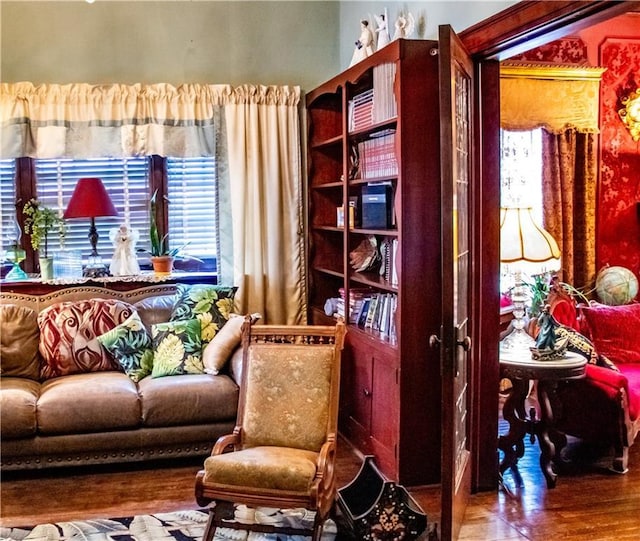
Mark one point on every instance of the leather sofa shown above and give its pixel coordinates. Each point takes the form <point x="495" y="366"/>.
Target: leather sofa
<point x="604" y="406"/>
<point x="103" y="416"/>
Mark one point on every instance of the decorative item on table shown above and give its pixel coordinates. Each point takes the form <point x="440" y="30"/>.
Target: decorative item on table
<point x="39" y="223"/>
<point x="13" y="252"/>
<point x="548" y="345"/>
<point x="91" y="200"/>
<point x="616" y="285"/>
<point x="525" y="247"/>
<point x="365" y="256"/>
<point x="161" y="256"/>
<point x="124" y="261"/>
<point x="365" y="44"/>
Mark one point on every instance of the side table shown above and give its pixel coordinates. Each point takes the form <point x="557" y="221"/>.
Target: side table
<point x="520" y="368"/>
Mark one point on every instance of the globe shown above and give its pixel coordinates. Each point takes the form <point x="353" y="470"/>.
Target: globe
<point x="616" y="285"/>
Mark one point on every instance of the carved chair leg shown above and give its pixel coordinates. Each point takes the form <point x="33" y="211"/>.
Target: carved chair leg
<point x="210" y="529"/>
<point x="318" y="526"/>
<point x="620" y="459"/>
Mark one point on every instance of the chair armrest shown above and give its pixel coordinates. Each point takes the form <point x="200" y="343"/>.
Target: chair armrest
<point x="228" y="442"/>
<point x="606" y="376"/>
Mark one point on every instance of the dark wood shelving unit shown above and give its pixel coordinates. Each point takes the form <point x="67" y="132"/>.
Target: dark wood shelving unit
<point x="390" y="397"/>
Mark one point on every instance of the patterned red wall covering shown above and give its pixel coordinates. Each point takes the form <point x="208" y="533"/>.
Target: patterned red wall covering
<point x="615" y="45"/>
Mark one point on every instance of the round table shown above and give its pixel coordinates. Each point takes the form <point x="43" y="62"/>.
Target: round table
<point x="520" y="368"/>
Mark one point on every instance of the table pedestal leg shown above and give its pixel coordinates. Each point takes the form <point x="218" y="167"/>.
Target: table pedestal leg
<point x="512" y="443"/>
<point x="546" y="390"/>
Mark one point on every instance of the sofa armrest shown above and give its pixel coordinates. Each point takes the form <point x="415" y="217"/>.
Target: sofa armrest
<point x="606" y="376"/>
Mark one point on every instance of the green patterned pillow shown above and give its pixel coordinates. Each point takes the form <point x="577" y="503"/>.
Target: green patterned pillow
<point x="210" y="304"/>
<point x="130" y="344"/>
<point x="177" y="348"/>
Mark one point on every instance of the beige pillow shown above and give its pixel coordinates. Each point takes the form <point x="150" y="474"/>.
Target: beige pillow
<point x="19" y="339"/>
<point x="217" y="352"/>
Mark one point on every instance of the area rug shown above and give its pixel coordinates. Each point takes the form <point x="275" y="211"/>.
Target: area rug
<point x="178" y="526"/>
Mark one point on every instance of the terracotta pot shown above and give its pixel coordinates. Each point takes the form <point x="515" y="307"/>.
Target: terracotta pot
<point x="162" y="264"/>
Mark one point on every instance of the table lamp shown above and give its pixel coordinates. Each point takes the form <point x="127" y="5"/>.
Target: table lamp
<point x="524" y="247"/>
<point x="91" y="200"/>
<point x="14" y="252"/>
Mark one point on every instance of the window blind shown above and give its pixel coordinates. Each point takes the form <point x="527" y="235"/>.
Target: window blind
<point x="192" y="190"/>
<point x="127" y="183"/>
<point x="7" y="201"/>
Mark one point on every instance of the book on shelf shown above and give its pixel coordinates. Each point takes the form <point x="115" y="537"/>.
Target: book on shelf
<point x="360" y="110"/>
<point x="384" y="105"/>
<point x="378" y="155"/>
<point x="356" y="299"/>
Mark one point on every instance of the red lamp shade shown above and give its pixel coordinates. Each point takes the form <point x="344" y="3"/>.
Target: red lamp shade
<point x="89" y="200"/>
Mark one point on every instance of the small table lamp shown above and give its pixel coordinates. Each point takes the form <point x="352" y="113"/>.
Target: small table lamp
<point x="524" y="247"/>
<point x="91" y="200"/>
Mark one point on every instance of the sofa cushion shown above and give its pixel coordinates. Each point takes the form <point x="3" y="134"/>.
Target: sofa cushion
<point x="18" y="398"/>
<point x="92" y="402"/>
<point x="176" y="348"/>
<point x="155" y="309"/>
<point x="69" y="331"/>
<point x="19" y="338"/>
<point x="614" y="330"/>
<point x="130" y="345"/>
<point x="188" y="400"/>
<point x="210" y="304"/>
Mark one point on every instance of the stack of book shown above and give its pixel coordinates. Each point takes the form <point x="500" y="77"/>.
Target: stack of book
<point x="378" y="155"/>
<point x="361" y="111"/>
<point x="356" y="299"/>
<point x="377" y="314"/>
<point x="384" y="106"/>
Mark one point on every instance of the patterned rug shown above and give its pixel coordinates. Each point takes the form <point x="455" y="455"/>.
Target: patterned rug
<point x="178" y="526"/>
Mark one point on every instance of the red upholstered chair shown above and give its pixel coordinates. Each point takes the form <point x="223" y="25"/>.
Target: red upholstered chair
<point x="604" y="407"/>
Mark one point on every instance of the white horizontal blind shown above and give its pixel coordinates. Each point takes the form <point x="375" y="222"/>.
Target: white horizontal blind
<point x="127" y="183"/>
<point x="7" y="201"/>
<point x="192" y="189"/>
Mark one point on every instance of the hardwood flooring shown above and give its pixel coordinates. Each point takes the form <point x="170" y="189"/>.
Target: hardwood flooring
<point x="589" y="503"/>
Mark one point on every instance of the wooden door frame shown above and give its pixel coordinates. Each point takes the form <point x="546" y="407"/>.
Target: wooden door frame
<point x="514" y="30"/>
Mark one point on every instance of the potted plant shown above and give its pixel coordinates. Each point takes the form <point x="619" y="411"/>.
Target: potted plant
<point x="161" y="256"/>
<point x="39" y="223"/>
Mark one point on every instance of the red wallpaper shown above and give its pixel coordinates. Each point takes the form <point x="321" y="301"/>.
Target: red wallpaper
<point x="615" y="45"/>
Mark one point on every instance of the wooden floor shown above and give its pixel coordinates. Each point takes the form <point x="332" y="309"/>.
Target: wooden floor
<point x="589" y="503"/>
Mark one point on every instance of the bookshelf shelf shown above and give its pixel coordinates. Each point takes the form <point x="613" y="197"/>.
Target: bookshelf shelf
<point x="371" y="147"/>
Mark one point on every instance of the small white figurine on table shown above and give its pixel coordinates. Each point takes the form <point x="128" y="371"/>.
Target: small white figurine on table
<point x="124" y="261"/>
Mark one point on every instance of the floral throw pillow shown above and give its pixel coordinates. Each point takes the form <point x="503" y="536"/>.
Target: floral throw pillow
<point x="177" y="348"/>
<point x="209" y="304"/>
<point x="130" y="344"/>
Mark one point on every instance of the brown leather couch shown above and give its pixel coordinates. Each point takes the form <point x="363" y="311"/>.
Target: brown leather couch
<point x="104" y="417"/>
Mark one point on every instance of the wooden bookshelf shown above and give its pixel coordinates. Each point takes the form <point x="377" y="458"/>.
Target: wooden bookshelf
<point x="390" y="396"/>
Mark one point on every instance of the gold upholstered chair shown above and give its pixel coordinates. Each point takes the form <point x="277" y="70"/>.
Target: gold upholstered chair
<point x="282" y="451"/>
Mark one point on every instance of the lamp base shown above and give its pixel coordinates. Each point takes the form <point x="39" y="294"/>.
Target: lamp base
<point x="16" y="273"/>
<point x="518" y="341"/>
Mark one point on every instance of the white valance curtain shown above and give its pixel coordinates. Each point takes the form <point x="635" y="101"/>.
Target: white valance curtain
<point x="85" y="121"/>
<point x="262" y="237"/>
<point x="555" y="98"/>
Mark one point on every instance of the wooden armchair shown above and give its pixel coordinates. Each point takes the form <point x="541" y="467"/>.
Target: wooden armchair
<point x="282" y="451"/>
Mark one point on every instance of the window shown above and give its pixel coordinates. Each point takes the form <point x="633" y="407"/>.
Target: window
<point x="193" y="207"/>
<point x="7" y="202"/>
<point x="521" y="170"/>
<point x="190" y="208"/>
<point x="126" y="181"/>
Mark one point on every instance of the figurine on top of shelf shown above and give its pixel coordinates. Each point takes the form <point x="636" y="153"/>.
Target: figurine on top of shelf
<point x="382" y="30"/>
<point x="405" y="24"/>
<point x="364" y="44"/>
<point x="124" y="261"/>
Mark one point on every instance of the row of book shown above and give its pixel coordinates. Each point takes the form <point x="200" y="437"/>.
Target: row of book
<point x="376" y="104"/>
<point x="377" y="155"/>
<point x="388" y="252"/>
<point x="378" y="314"/>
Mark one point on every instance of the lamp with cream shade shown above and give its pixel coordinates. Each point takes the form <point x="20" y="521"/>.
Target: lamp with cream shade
<point x="525" y="247"/>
